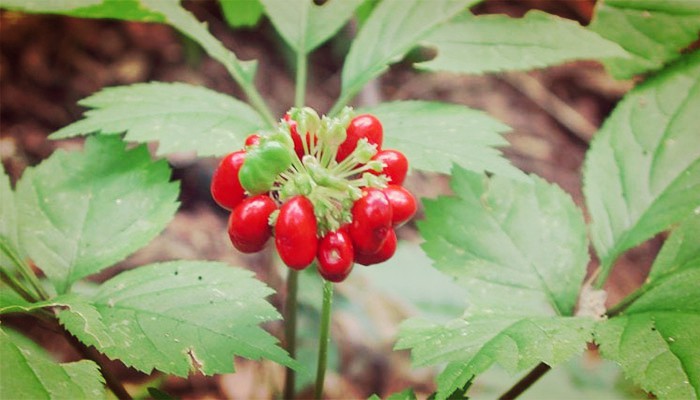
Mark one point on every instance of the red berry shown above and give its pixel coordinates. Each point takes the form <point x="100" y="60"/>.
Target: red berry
<point x="384" y="253"/>
<point x="403" y="204"/>
<point x="248" y="226"/>
<point x="225" y="186"/>
<point x="363" y="126"/>
<point x="252" y="140"/>
<point x="335" y="256"/>
<point x="296" y="137"/>
<point x="371" y="221"/>
<point x="295" y="233"/>
<point x="395" y="165"/>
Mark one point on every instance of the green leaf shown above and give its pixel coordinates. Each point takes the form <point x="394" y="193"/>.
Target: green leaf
<point x="10" y="299"/>
<point x="524" y="238"/>
<point x="680" y="251"/>
<point x="393" y="28"/>
<point x="655" y="339"/>
<point x="520" y="250"/>
<point x="242" y="13"/>
<point x="27" y="374"/>
<point x="26" y="343"/>
<point x="188" y="25"/>
<point x="81" y="212"/>
<point x="407" y="394"/>
<point x="491" y="43"/>
<point x="433" y="294"/>
<point x="435" y="135"/>
<point x="180" y="117"/>
<point x="9" y="229"/>
<point x="80" y="313"/>
<point x="184" y="316"/>
<point x="642" y="172"/>
<point x="119" y="9"/>
<point x="653" y="31"/>
<point x="304" y="25"/>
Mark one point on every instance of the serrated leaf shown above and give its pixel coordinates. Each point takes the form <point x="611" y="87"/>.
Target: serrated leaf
<point x="304" y="25"/>
<point x="8" y="220"/>
<point x="435" y="135"/>
<point x="655" y="339"/>
<point x="242" y="13"/>
<point x="492" y="43"/>
<point x="642" y="172"/>
<point x="119" y="9"/>
<point x="524" y="238"/>
<point x="180" y="117"/>
<point x="652" y="31"/>
<point x="81" y="212"/>
<point x="184" y="316"/>
<point x="30" y="375"/>
<point x="680" y="250"/>
<point x="80" y="313"/>
<point x="188" y="25"/>
<point x="393" y="28"/>
<point x="520" y="249"/>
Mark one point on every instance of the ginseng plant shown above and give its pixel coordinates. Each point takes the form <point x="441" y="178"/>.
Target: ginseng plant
<point x="327" y="186"/>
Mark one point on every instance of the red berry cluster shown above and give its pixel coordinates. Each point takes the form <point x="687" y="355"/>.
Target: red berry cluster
<point x="315" y="222"/>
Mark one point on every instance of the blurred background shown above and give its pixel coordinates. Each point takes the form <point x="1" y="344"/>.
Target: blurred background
<point x="49" y="63"/>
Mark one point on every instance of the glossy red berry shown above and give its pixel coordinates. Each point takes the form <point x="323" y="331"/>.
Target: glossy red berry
<point x="395" y="165"/>
<point x="226" y="189"/>
<point x="295" y="233"/>
<point x="403" y="204"/>
<point x="335" y="256"/>
<point x="252" y="140"/>
<point x="371" y="221"/>
<point x="363" y="126"/>
<point x="384" y="253"/>
<point x="248" y="226"/>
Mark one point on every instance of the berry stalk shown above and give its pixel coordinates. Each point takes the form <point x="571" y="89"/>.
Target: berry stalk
<point x="324" y="338"/>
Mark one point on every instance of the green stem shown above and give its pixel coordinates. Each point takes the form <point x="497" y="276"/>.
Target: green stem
<point x="18" y="286"/>
<point x="324" y="338"/>
<point x="300" y="90"/>
<point x="290" y="306"/>
<point x="24" y="270"/>
<point x="527" y="381"/>
<point x="290" y="329"/>
<point x="257" y="102"/>
<point x="189" y="25"/>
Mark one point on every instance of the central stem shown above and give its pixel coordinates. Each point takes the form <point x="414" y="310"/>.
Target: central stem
<point x="324" y="338"/>
<point x="290" y="329"/>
